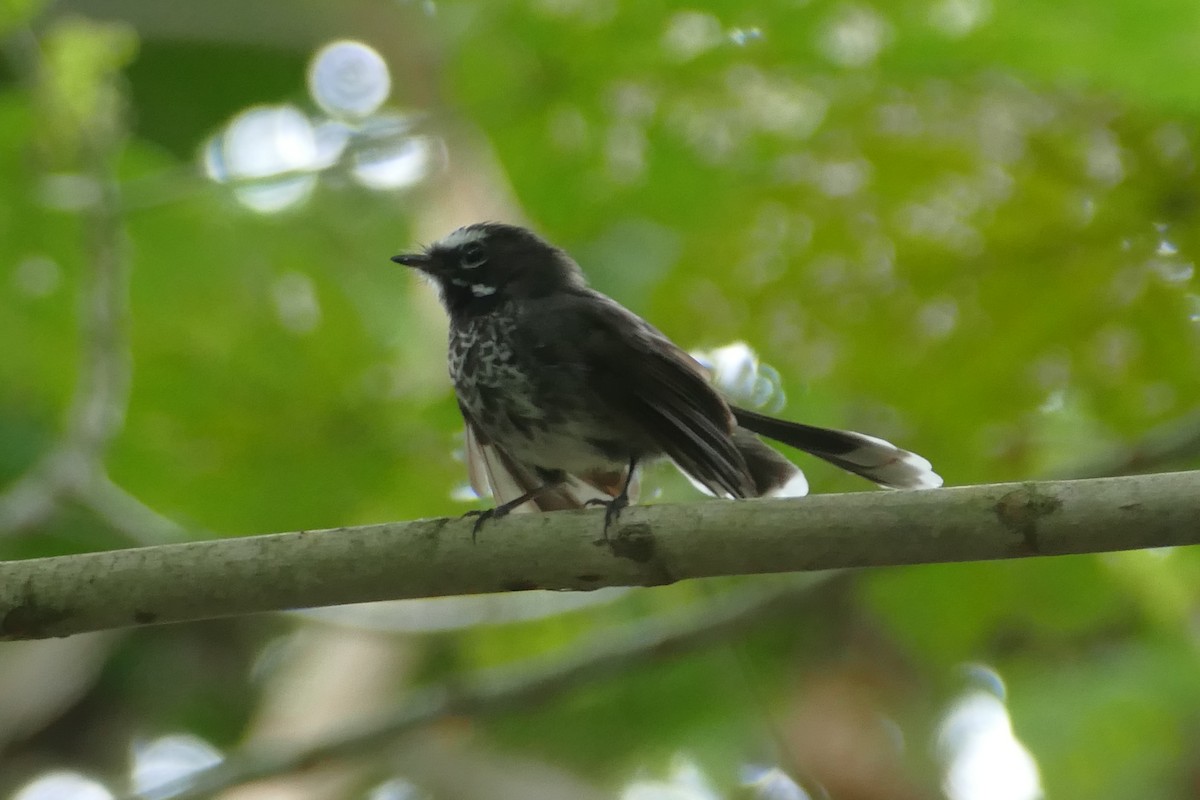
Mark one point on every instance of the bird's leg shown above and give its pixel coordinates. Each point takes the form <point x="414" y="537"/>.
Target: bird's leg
<point x="504" y="509"/>
<point x="614" y="507"/>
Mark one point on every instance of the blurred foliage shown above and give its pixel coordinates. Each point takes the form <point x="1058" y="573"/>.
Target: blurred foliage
<point x="83" y="106"/>
<point x="970" y="227"/>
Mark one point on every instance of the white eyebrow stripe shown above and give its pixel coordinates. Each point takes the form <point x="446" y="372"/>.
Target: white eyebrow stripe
<point x="460" y="237"/>
<point x="482" y="290"/>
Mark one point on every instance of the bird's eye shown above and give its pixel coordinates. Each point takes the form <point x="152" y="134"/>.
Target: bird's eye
<point x="473" y="255"/>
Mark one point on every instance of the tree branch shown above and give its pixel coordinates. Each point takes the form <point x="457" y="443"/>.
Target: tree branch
<point x="649" y="546"/>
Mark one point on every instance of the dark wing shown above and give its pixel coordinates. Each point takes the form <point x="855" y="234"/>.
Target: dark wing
<point x="657" y="392"/>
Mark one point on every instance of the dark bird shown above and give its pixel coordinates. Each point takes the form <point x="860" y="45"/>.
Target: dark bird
<point x="565" y="392"/>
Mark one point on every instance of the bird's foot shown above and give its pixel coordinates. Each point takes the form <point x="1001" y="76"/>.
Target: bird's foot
<point x="504" y="509"/>
<point x="482" y="515"/>
<point x="612" y="509"/>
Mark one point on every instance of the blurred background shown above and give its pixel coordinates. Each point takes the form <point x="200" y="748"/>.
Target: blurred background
<point x="964" y="225"/>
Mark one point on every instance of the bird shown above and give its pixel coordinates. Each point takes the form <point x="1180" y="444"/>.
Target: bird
<point x="565" y="394"/>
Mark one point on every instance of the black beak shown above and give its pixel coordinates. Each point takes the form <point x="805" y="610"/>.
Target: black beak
<point x="415" y="260"/>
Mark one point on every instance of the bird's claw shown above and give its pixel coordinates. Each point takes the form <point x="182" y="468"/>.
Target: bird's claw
<point x="612" y="510"/>
<point x="483" y="515"/>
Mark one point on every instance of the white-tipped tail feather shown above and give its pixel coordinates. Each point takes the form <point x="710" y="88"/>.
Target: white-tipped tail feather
<point x="871" y="457"/>
<point x="889" y="466"/>
<point x="796" y="486"/>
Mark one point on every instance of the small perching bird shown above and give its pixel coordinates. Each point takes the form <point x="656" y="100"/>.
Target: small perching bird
<point x="565" y="392"/>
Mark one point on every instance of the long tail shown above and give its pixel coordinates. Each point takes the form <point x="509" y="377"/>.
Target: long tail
<point x="874" y="459"/>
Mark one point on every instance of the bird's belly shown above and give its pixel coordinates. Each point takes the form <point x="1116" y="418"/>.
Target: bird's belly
<point x="564" y="448"/>
<point x="547" y="421"/>
<point x="537" y="429"/>
<point x="549" y="438"/>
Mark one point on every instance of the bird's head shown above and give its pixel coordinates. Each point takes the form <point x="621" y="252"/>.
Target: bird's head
<point x="479" y="266"/>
